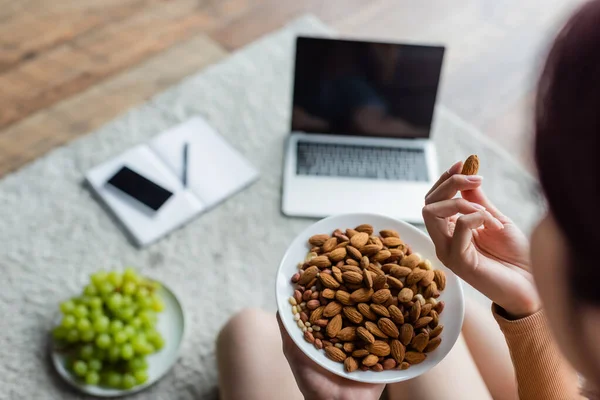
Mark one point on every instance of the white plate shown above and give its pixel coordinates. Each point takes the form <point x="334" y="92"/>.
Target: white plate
<point x="452" y="317"/>
<point x="171" y="325"/>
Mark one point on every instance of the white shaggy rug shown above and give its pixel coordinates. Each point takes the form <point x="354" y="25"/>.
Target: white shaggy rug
<point x="54" y="234"/>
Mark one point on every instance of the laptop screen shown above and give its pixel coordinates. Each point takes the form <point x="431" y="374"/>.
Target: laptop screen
<point x="365" y="88"/>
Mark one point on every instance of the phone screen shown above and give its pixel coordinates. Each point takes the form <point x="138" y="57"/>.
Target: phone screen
<point x="140" y="188"/>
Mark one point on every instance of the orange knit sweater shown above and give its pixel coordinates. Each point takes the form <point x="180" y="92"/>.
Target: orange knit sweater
<point x="542" y="372"/>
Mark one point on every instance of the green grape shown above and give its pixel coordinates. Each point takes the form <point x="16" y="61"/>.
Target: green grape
<point x="145" y="302"/>
<point x="68" y="321"/>
<point x="103" y="341"/>
<point x="80" y="311"/>
<point x="72" y="336"/>
<point x="140" y="377"/>
<point x="114" y="301"/>
<point x="116" y="326"/>
<point x="127" y="301"/>
<point x="67" y="307"/>
<point x="101" y="324"/>
<point x="141" y="293"/>
<point x="87" y="336"/>
<point x="84" y="300"/>
<point x="120" y="337"/>
<point x="130" y="275"/>
<point x="148" y="318"/>
<point x="113" y="379"/>
<point x="129" y="288"/>
<point x="149" y="349"/>
<point x="157" y="304"/>
<point x="106" y="288"/>
<point x="115" y="278"/>
<point x="126" y="314"/>
<point x="98" y="278"/>
<point x="84" y="324"/>
<point x="90" y="290"/>
<point x="128" y="381"/>
<point x="80" y="368"/>
<point x="86" y="352"/>
<point x="94" y="365"/>
<point x="126" y="351"/>
<point x="114" y="353"/>
<point x="92" y="378"/>
<point x="129" y="331"/>
<point x="136" y="323"/>
<point x="95" y="314"/>
<point x="156" y="339"/>
<point x="139" y="344"/>
<point x="100" y="354"/>
<point x="138" y="363"/>
<point x="95" y="303"/>
<point x="59" y="333"/>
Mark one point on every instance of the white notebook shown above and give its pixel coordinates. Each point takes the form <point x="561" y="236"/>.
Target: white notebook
<point x="215" y="171"/>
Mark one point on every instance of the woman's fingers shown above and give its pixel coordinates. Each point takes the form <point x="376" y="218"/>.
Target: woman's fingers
<point x="451" y="186"/>
<point x="477" y="196"/>
<point x="436" y="214"/>
<point x="454" y="169"/>
<point x="463" y="230"/>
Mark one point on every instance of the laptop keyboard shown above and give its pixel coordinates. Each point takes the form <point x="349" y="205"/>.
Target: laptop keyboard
<point x="354" y="161"/>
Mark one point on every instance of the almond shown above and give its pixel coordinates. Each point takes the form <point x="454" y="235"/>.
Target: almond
<point x="328" y="293"/>
<point x="427" y="278"/>
<point x="406" y="334"/>
<point x="308" y="275"/>
<point x="318" y="240"/>
<point x="397" y="254"/>
<point x="415" y="311"/>
<point x="396" y="314"/>
<point x="329" y="244"/>
<point x="379" y="281"/>
<point x="405" y="295"/>
<point x="382" y="255"/>
<point x="425" y="310"/>
<point x="370" y="360"/>
<point x="337" y="254"/>
<point x="379" y="348"/>
<point x="361" y="352"/>
<point x="387" y="268"/>
<point x="395" y="283"/>
<point x="370" y="249"/>
<point x="359" y="239"/>
<point x="471" y="165"/>
<point x="350" y="364"/>
<point x="397" y="350"/>
<point x="440" y="279"/>
<point x="351" y="232"/>
<point x="415" y="276"/>
<point x="413" y="357"/>
<point x="365" y="228"/>
<point x="344" y="298"/>
<point x="347" y="334"/>
<point x="389" y="233"/>
<point x="320" y="261"/>
<point x="308" y="336"/>
<point x="377" y="241"/>
<point x="321" y="322"/>
<point x="362" y="295"/>
<point x="353" y="315"/>
<point x="436" y="331"/>
<point x="380" y="310"/>
<point x="340" y="235"/>
<point x="367" y="278"/>
<point x="392" y="241"/>
<point x="318" y="344"/>
<point x="351" y="268"/>
<point x="332" y="309"/>
<point x="316" y="315"/>
<point x="439" y="307"/>
<point x="381" y="295"/>
<point x="400" y="272"/>
<point x="388" y="327"/>
<point x="353" y="252"/>
<point x="433" y="344"/>
<point x="410" y="261"/>
<point x="404" y="365"/>
<point x="349" y="347"/>
<point x="388" y="364"/>
<point x="337" y="274"/>
<point x="420" y="341"/>
<point x="335" y="354"/>
<point x="334" y="326"/>
<point x="375" y="268"/>
<point x="422" y="322"/>
<point x="364" y="334"/>
<point x="352" y="277"/>
<point x="426" y="265"/>
<point x="313" y="304"/>
<point x="374" y="329"/>
<point x="366" y="311"/>
<point x="329" y="281"/>
<point x="435" y="318"/>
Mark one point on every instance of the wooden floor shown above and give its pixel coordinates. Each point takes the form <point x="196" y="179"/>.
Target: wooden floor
<point x="69" y="66"/>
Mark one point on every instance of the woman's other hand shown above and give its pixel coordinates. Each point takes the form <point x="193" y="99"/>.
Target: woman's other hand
<point x="316" y="383"/>
<point x="482" y="246"/>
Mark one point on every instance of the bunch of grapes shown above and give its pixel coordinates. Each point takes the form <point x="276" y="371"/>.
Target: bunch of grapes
<point x="109" y="330"/>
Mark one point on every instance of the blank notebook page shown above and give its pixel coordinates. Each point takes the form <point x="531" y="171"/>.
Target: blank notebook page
<point x="215" y="169"/>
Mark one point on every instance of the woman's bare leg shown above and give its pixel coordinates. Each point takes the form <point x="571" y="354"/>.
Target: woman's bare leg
<point x="250" y="360"/>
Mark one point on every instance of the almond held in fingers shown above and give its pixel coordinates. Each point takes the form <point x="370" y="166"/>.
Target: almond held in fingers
<point x="471" y="165"/>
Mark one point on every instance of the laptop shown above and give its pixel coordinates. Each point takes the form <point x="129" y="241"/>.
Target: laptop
<point x="361" y="122"/>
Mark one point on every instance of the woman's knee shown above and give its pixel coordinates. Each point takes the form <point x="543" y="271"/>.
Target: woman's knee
<point x="242" y="323"/>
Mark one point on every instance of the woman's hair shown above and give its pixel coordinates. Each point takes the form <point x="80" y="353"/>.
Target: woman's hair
<point x="567" y="148"/>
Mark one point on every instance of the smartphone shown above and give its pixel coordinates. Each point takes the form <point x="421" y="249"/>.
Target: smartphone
<point x="140" y="188"/>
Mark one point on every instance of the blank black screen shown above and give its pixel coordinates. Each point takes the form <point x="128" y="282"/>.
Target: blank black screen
<point x="365" y="88"/>
<point x="140" y="188"/>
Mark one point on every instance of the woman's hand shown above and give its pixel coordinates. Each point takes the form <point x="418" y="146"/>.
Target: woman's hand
<point x="482" y="246"/>
<point x="316" y="383"/>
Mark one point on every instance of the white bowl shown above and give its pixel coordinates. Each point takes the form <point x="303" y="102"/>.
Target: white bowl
<point x="452" y="317"/>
